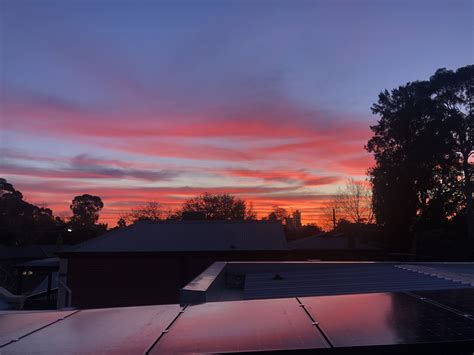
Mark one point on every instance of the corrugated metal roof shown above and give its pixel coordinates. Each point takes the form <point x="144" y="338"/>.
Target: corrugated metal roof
<point x="342" y="279"/>
<point x="27" y="252"/>
<point x="457" y="273"/>
<point x="328" y="242"/>
<point x="40" y="263"/>
<point x="189" y="236"/>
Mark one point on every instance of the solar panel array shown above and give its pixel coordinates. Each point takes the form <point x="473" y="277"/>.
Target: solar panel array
<point x="460" y="300"/>
<point x="386" y="319"/>
<point x="318" y="324"/>
<point x="128" y="330"/>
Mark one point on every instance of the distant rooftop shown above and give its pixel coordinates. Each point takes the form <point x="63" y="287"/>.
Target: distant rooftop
<point x="27" y="252"/>
<point x="40" y="264"/>
<point x="189" y="236"/>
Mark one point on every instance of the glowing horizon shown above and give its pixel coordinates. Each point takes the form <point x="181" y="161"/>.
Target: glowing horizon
<point x="268" y="101"/>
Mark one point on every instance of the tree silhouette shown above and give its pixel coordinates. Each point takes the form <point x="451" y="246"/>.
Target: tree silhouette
<point x="121" y="223"/>
<point x="7" y="188"/>
<point x="152" y="211"/>
<point x="424" y="129"/>
<point x="83" y="223"/>
<point x="278" y="214"/>
<point x="23" y="223"/>
<point x="216" y="207"/>
<point x="250" y="214"/>
<point x="453" y="93"/>
<point x="352" y="203"/>
<point x="86" y="209"/>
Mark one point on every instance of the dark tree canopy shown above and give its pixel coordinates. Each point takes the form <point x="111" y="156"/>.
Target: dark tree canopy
<point x="278" y="214"/>
<point x="85" y="215"/>
<point x="121" y="223"/>
<point x="453" y="92"/>
<point x="22" y="223"/>
<point x="250" y="213"/>
<point x="422" y="144"/>
<point x="217" y="207"/>
<point x="7" y="188"/>
<point x="152" y="211"/>
<point x="86" y="209"/>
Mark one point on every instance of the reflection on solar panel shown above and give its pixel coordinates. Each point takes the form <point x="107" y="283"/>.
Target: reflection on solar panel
<point x="241" y="326"/>
<point x="16" y="325"/>
<point x="317" y="324"/>
<point x="461" y="300"/>
<point x="128" y="330"/>
<point x="386" y="318"/>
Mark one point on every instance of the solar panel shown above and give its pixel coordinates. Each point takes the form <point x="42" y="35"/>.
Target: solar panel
<point x="461" y="300"/>
<point x="15" y="325"/>
<point x="344" y="322"/>
<point x="128" y="330"/>
<point x="241" y="326"/>
<point x="386" y="319"/>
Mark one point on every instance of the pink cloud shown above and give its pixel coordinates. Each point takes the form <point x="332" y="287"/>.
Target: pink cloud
<point x="248" y="135"/>
<point x="286" y="176"/>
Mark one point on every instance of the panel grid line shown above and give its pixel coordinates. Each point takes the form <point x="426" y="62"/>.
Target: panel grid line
<point x="434" y="303"/>
<point x="166" y="330"/>
<point x="314" y="322"/>
<point x="40" y="328"/>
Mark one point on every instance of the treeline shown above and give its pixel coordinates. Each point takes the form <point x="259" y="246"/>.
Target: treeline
<point x="204" y="207"/>
<point x="22" y="223"/>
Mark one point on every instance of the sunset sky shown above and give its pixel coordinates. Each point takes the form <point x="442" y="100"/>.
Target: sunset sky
<point x="140" y="101"/>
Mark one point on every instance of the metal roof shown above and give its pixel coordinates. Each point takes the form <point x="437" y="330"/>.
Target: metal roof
<point x="328" y="242"/>
<point x="264" y="280"/>
<point x="48" y="263"/>
<point x="344" y="323"/>
<point x="27" y="252"/>
<point x="346" y="278"/>
<point x="189" y="236"/>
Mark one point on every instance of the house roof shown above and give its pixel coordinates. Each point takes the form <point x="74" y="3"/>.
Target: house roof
<point x="26" y="252"/>
<point x="189" y="236"/>
<point x="40" y="264"/>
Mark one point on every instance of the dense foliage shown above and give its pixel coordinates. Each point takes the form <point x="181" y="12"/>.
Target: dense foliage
<point x="217" y="207"/>
<point x="22" y="223"/>
<point x="422" y="144"/>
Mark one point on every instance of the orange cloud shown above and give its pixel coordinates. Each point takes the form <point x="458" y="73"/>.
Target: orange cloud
<point x="313" y="150"/>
